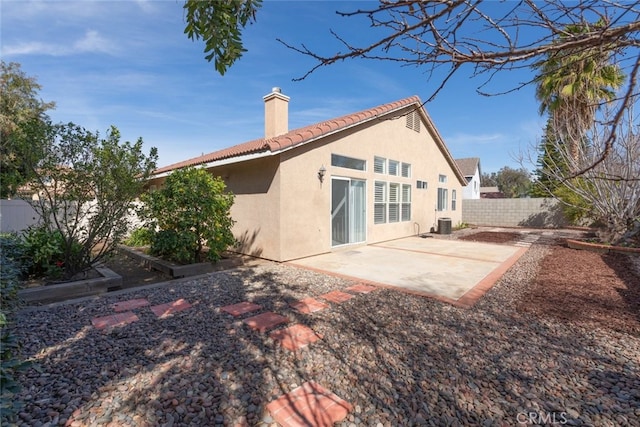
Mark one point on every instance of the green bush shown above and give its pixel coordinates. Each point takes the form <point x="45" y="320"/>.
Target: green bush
<point x="14" y="251"/>
<point x="11" y="270"/>
<point x="174" y="246"/>
<point x="142" y="236"/>
<point x="48" y="252"/>
<point x="191" y="210"/>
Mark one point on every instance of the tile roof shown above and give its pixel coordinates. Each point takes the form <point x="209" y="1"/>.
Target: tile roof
<point x="468" y="165"/>
<point x="310" y="133"/>
<point x="292" y="138"/>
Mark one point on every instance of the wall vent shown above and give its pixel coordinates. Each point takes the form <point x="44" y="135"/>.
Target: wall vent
<point x="413" y="120"/>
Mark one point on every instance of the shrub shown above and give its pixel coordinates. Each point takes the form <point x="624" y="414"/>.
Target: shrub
<point x="142" y="236"/>
<point x="174" y="246"/>
<point x="11" y="269"/>
<point x="191" y="211"/>
<point x="88" y="186"/>
<point x="14" y="251"/>
<point x="46" y="248"/>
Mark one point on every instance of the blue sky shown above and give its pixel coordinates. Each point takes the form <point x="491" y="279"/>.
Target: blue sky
<point x="128" y="63"/>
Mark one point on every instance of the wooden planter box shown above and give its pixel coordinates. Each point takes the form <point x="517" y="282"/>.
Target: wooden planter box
<point x="75" y="289"/>
<point x="172" y="269"/>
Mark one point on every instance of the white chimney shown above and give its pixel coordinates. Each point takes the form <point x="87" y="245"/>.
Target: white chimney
<point x="276" y="113"/>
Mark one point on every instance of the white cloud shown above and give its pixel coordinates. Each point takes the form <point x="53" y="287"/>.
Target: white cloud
<point x="91" y="42"/>
<point x="466" y="138"/>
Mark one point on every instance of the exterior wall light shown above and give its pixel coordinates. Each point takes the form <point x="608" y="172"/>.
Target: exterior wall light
<point x="321" y="173"/>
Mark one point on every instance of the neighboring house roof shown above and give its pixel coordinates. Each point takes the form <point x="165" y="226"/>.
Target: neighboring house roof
<point x="314" y="132"/>
<point x="469" y="165"/>
<point x="491" y="193"/>
<point x="489" y="190"/>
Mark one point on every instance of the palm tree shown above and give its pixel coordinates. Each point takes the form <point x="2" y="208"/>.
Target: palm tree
<point x="572" y="84"/>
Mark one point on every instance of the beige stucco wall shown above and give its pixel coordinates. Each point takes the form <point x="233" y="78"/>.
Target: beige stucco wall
<point x="256" y="186"/>
<point x="283" y="212"/>
<point x="306" y="203"/>
<point x="256" y="209"/>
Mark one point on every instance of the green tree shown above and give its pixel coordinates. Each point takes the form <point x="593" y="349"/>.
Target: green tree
<point x="219" y="23"/>
<point x="511" y="182"/>
<point x="190" y="211"/>
<point x="23" y="125"/>
<point x="87" y="186"/>
<point x="549" y="159"/>
<point x="573" y="82"/>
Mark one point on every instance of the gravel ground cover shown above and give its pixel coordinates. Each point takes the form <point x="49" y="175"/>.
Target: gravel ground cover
<point x="397" y="358"/>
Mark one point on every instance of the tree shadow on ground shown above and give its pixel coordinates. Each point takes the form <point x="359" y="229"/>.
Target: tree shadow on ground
<point x="397" y="358"/>
<point x="627" y="269"/>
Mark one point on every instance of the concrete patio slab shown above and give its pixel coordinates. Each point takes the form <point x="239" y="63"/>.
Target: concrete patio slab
<point x="445" y="269"/>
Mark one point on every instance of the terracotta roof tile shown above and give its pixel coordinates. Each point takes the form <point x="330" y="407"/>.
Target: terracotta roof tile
<point x="294" y="137"/>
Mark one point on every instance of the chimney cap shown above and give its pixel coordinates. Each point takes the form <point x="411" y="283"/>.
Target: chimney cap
<point x="276" y="89"/>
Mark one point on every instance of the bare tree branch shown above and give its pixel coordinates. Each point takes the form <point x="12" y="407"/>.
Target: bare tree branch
<point x="491" y="38"/>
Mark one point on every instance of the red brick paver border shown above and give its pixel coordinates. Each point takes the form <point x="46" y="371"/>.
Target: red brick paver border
<point x="131" y="304"/>
<point x="112" y="320"/>
<point x="337" y="296"/>
<point x="164" y="310"/>
<point x="308" y="305"/>
<point x="263" y="322"/>
<point x="309" y="405"/>
<point x="361" y="288"/>
<point x="295" y="337"/>
<point x="241" y="308"/>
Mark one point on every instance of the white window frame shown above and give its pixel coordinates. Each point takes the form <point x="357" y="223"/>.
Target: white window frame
<point x="405" y="208"/>
<point x="336" y="156"/>
<point x="394" y="167"/>
<point x="453" y="200"/>
<point x="379" y="202"/>
<point x="379" y="163"/>
<point x="442" y="199"/>
<point x="394" y="199"/>
<point x="405" y="170"/>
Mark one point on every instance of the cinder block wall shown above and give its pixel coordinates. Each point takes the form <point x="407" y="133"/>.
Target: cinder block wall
<point x="525" y="212"/>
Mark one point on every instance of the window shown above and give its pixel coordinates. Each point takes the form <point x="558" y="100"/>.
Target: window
<point x="406" y="202"/>
<point x="442" y="179"/>
<point x="442" y="199"/>
<point x="393" y="167"/>
<point x="348" y="162"/>
<point x="394" y="202"/>
<point x="405" y="170"/>
<point x="379" y="164"/>
<point x="380" y="203"/>
<point x="421" y="184"/>
<point x="453" y="200"/>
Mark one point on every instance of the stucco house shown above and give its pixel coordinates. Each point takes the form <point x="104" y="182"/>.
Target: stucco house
<point x="470" y="168"/>
<point x="367" y="177"/>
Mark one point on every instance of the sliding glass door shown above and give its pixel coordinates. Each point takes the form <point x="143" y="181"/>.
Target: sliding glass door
<point x="348" y="211"/>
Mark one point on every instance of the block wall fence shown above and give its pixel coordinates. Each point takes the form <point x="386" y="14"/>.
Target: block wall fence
<point x="524" y="212"/>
